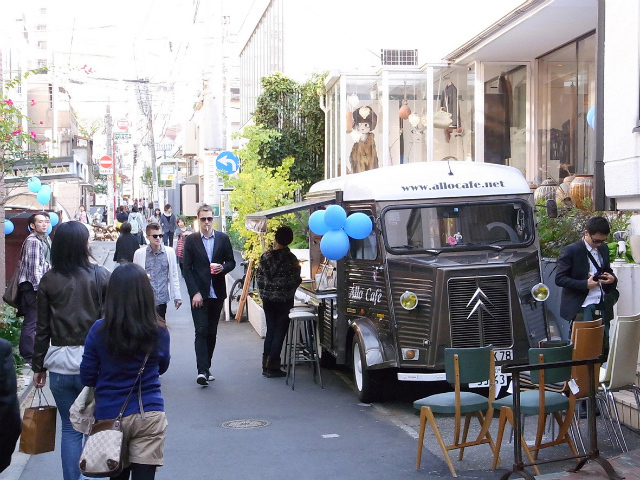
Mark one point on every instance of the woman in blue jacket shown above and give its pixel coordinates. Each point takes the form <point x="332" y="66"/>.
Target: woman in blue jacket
<point x="113" y="354"/>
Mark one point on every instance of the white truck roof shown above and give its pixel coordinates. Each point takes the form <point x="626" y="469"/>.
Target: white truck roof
<point x="438" y="179"/>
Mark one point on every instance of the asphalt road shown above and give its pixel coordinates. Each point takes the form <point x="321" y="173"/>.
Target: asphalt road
<point x="309" y="432"/>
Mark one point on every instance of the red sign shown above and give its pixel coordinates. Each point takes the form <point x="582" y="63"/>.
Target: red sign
<point x="106" y="162"/>
<point x="123" y="124"/>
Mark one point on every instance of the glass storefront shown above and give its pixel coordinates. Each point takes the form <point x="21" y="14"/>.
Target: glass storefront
<point x="566" y="106"/>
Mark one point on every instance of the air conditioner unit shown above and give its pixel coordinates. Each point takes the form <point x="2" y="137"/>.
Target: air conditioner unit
<point x="191" y="140"/>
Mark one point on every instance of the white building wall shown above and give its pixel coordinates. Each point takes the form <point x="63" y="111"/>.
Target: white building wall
<point x="621" y="90"/>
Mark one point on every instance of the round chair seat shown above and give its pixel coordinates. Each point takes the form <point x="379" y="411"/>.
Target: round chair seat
<point x="445" y="402"/>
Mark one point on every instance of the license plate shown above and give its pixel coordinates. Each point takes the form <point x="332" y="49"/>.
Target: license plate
<point x="503" y="354"/>
<point x="502" y="379"/>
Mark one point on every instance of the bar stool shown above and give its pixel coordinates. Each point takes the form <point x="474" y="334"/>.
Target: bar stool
<point x="301" y="343"/>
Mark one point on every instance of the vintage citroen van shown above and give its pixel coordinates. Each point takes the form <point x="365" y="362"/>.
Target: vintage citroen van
<point x="452" y="260"/>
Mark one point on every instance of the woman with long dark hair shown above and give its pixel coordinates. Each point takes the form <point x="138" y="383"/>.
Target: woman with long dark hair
<point x="68" y="303"/>
<point x="115" y="350"/>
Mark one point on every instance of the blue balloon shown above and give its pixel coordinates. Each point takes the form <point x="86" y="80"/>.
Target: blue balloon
<point x="335" y="216"/>
<point x="334" y="244"/>
<point x="43" y="196"/>
<point x="54" y="218"/>
<point x="8" y="227"/>
<point x="591" y="117"/>
<point x="34" y="184"/>
<point x="49" y="229"/>
<point x="316" y="223"/>
<point x="358" y="226"/>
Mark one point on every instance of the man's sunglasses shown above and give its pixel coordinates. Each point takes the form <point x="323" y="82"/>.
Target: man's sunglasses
<point x="596" y="241"/>
<point x="206" y="219"/>
<point x="156" y="235"/>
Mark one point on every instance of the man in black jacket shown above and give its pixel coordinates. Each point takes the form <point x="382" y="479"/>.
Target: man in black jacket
<point x="11" y="425"/>
<point x="585" y="274"/>
<point x="208" y="257"/>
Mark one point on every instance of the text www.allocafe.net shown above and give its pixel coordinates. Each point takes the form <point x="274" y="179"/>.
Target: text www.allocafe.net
<point x="453" y="186"/>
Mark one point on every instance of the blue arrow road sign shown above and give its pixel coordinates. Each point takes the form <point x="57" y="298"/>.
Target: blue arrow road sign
<point x="227" y="162"/>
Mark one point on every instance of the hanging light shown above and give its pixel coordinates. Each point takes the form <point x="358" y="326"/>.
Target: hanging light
<point x="353" y="101"/>
<point x="414" y="119"/>
<point x="355" y="135"/>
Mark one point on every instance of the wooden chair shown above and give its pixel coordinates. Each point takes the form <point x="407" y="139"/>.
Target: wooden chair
<point x="541" y="402"/>
<point x="462" y="366"/>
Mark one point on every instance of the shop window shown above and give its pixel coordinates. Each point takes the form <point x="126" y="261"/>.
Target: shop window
<point x="566" y="140"/>
<point x="505" y="121"/>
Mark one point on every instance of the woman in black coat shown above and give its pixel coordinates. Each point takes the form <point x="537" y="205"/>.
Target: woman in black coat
<point x="126" y="245"/>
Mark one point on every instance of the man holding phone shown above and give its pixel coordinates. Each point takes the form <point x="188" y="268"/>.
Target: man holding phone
<point x="585" y="274"/>
<point x="207" y="258"/>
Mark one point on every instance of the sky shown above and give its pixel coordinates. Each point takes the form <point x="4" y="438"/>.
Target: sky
<point x="103" y="44"/>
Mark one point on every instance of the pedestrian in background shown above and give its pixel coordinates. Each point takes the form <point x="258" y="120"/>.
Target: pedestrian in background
<point x="35" y="261"/>
<point x="182" y="232"/>
<point x="121" y="217"/>
<point x="168" y="224"/>
<point x="208" y="257"/>
<point x="11" y="424"/>
<point x="126" y="245"/>
<point x="278" y="279"/>
<point x="161" y="266"/>
<point x="115" y="350"/>
<point x="81" y="215"/>
<point x="155" y="216"/>
<point x="138" y="224"/>
<point x="69" y="300"/>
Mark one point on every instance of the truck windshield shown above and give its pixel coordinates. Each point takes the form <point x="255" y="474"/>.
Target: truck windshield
<point x="463" y="226"/>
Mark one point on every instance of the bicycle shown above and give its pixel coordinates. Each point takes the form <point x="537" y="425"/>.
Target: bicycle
<point x="236" y="291"/>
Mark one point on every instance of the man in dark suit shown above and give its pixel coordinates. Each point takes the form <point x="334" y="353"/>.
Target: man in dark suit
<point x="10" y="425"/>
<point x="208" y="257"/>
<point x="586" y="280"/>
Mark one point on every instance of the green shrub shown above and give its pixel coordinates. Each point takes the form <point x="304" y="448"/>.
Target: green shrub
<point x="10" y="327"/>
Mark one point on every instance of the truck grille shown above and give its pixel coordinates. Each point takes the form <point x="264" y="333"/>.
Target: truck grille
<point x="413" y="326"/>
<point x="480" y="312"/>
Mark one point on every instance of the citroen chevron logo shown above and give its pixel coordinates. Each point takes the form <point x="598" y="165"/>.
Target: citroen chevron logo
<point x="480" y="299"/>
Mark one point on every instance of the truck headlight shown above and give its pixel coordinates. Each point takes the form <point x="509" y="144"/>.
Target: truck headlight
<point x="409" y="300"/>
<point x="540" y="292"/>
<point x="410" y="354"/>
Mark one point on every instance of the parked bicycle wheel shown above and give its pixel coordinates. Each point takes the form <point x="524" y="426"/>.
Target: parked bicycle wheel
<point x="234" y="297"/>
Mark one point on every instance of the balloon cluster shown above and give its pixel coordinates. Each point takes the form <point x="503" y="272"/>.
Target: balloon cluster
<point x="43" y="191"/>
<point x="336" y="228"/>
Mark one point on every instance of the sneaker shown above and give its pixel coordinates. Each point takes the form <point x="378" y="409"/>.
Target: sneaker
<point x="210" y="377"/>
<point x="202" y="380"/>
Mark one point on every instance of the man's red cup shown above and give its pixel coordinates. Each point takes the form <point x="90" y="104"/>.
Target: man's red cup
<point x="214" y="267"/>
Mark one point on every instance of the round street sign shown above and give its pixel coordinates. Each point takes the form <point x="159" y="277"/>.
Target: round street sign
<point x="106" y="162"/>
<point x="123" y="124"/>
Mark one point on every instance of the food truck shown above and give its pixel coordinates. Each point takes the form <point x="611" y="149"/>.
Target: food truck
<point x="452" y="261"/>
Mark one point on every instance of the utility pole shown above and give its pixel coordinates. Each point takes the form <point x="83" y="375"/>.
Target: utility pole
<point x="145" y="101"/>
<point x="111" y="185"/>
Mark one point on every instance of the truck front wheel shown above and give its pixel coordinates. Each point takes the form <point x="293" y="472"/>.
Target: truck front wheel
<point x="366" y="380"/>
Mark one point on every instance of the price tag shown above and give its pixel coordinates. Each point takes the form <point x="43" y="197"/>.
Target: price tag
<point x="573" y="386"/>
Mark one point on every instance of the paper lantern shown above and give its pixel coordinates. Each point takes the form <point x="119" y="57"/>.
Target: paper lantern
<point x="334" y="244"/>
<point x="404" y="111"/>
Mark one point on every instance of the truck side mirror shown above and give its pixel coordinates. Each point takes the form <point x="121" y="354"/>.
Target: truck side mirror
<point x="552" y="208"/>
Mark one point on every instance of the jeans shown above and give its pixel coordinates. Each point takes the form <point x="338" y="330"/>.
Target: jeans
<point x="162" y="310"/>
<point x="167" y="238"/>
<point x="205" y="321"/>
<point x="65" y="389"/>
<point x="28" y="332"/>
<point x="138" y="472"/>
<point x="277" y="318"/>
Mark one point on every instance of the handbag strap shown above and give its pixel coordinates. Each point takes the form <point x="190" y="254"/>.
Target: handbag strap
<point x="119" y="417"/>
<point x="593" y="260"/>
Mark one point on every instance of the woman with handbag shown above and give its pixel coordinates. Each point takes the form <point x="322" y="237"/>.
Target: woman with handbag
<point x="68" y="303"/>
<point x="130" y="336"/>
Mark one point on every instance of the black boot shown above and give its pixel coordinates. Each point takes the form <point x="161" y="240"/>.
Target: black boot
<point x="265" y="357"/>
<point x="273" y="367"/>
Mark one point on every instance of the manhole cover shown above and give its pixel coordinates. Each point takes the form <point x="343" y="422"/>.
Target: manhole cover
<point x="248" y="423"/>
